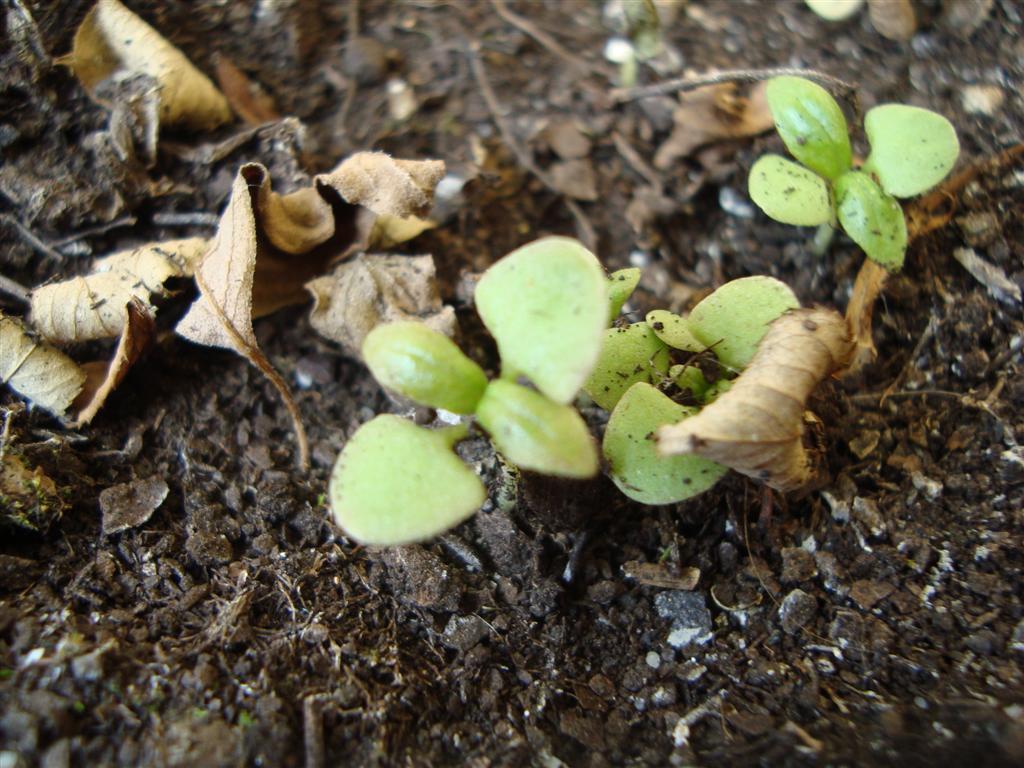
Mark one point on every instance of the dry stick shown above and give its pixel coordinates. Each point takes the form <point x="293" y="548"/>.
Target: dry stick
<point x="256" y="357"/>
<point x="542" y="37"/>
<point x="14" y="289"/>
<point x="636" y="161"/>
<point x="29" y="237"/>
<point x="586" y="229"/>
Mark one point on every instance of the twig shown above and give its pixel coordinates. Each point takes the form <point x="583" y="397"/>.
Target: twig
<point x="100" y="229"/>
<point x="636" y="162"/>
<point x="14" y="289"/>
<point x="583" y="225"/>
<point x="542" y="37"/>
<point x="29" y="237"/>
<point x="929" y="331"/>
<point x="840" y="88"/>
<point x="185" y="219"/>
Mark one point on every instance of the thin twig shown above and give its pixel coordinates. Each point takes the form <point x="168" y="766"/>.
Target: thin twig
<point x="583" y="225"/>
<point x="30" y="238"/>
<point x="542" y="37"/>
<point x="100" y="229"/>
<point x="635" y="161"/>
<point x="185" y="219"/>
<point x="929" y="331"/>
<point x="840" y="88"/>
<point x="14" y="289"/>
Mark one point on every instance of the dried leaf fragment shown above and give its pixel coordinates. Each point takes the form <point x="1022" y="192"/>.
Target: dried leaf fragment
<point x="128" y="505"/>
<point x="385" y="185"/>
<point x="247" y="99"/>
<point x="756" y="427"/>
<point x="38" y="372"/>
<point x="92" y="307"/>
<point x="374" y="289"/>
<point x="30" y="497"/>
<point x="112" y="40"/>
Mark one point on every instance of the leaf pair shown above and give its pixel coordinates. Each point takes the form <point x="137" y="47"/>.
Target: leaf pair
<point x="912" y="149"/>
<point x="546" y="305"/>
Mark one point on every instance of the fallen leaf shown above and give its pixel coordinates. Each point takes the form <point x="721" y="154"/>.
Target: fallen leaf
<point x="566" y="139"/>
<point x="757" y="426"/>
<point x="990" y="275"/>
<point x="711" y="114"/>
<point x="129" y="505"/>
<point x="134" y="122"/>
<point x="389" y="231"/>
<point x="112" y="40"/>
<point x="222" y="315"/>
<point x="30" y="497"/>
<point x="92" y="307"/>
<point x="894" y="19"/>
<point x="38" y="372"/>
<point x="385" y="185"/>
<point x="575" y="179"/>
<point x="249" y="101"/>
<point x="373" y="289"/>
<point x="103" y="378"/>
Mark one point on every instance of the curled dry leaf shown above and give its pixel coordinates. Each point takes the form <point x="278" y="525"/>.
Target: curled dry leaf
<point x="714" y="113"/>
<point x="112" y="40"/>
<point x="247" y="99"/>
<point x="373" y="289"/>
<point x="102" y="378"/>
<point x="38" y="372"/>
<point x="93" y="306"/>
<point x="385" y="185"/>
<point x="756" y="427"/>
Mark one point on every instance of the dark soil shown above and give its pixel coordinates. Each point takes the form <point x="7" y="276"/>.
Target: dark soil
<point x="877" y="620"/>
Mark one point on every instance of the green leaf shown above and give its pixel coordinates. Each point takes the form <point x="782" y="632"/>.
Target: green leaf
<point x="835" y="10"/>
<point x="631" y="452"/>
<point x="396" y="483"/>
<point x="733" y="319"/>
<point x="629" y="355"/>
<point x="546" y="304"/>
<point x="689" y="377"/>
<point x="872" y="219"/>
<point x="674" y="330"/>
<point x="536" y="433"/>
<point x="424" y="365"/>
<point x="811" y="125"/>
<point x="788" y="192"/>
<point x="912" y="149"/>
<point x="621" y="285"/>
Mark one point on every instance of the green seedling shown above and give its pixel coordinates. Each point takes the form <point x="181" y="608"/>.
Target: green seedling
<point x="912" y="150"/>
<point x="633" y="375"/>
<point x="546" y="304"/>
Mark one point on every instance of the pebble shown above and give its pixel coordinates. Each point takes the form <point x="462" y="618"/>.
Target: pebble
<point x="866" y="512"/>
<point x="798" y="608"/>
<point x="464" y="632"/>
<point x="653" y="659"/>
<point x="1017" y="638"/>
<point x="926" y="485"/>
<point x="735" y="204"/>
<point x="982" y="99"/>
<point x="689" y="614"/>
<point x="797" y="565"/>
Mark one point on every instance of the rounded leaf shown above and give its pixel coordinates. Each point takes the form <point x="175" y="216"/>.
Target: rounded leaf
<point x="689" y="378"/>
<point x="621" y="285"/>
<point x="396" y="483"/>
<point x="632" y="454"/>
<point x="546" y="304"/>
<point x="629" y="355"/>
<point x="674" y="330"/>
<point x="732" y="320"/>
<point x="788" y="192"/>
<point x="835" y="10"/>
<point x="912" y="149"/>
<point x="811" y="125"/>
<point x="872" y="219"/>
<point x="424" y="365"/>
<point x="536" y="433"/>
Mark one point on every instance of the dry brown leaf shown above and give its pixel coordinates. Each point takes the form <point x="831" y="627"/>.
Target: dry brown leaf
<point x="247" y="99"/>
<point x="38" y="372"/>
<point x="112" y="40"/>
<point x="374" y="289"/>
<point x="222" y="315"/>
<point x="129" y="505"/>
<point x="575" y="179"/>
<point x="102" y="378"/>
<point x="389" y="231"/>
<point x="711" y="114"/>
<point x="757" y="426"/>
<point x="385" y="185"/>
<point x="31" y="498"/>
<point x="894" y="19"/>
<point x="92" y="307"/>
<point x="294" y="223"/>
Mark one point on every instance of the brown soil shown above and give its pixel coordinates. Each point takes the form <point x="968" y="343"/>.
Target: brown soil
<point x="876" y="620"/>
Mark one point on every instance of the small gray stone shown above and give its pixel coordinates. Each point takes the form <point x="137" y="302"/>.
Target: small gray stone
<point x="689" y="614"/>
<point x="798" y="608"/>
<point x="797" y="565"/>
<point x="866" y="512"/>
<point x="1017" y="638"/>
<point x="464" y="632"/>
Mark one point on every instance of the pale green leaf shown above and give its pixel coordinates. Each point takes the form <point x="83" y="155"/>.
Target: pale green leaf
<point x="811" y="125"/>
<point x="835" y="10"/>
<point x="689" y="378"/>
<point x="674" y="330"/>
<point x="912" y="149"/>
<point x="629" y="355"/>
<point x="636" y="467"/>
<point x="621" y="285"/>
<point x="733" y="319"/>
<point x="536" y="433"/>
<point x="396" y="483"/>
<point x="788" y="192"/>
<point x="546" y="304"/>
<point x="872" y="219"/>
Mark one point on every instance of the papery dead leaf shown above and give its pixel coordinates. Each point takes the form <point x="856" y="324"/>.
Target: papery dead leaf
<point x="30" y="497"/>
<point x="222" y="315"/>
<point x="757" y="426"/>
<point x="247" y="99"/>
<point x="129" y="505"/>
<point x="575" y="179"/>
<point x="714" y="113"/>
<point x="389" y="231"/>
<point x="111" y="39"/>
<point x="385" y="185"/>
<point x="92" y="307"/>
<point x="41" y="374"/>
<point x="894" y="19"/>
<point x="102" y="378"/>
<point x="373" y="289"/>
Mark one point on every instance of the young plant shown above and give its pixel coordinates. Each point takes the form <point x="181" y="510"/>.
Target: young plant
<point x="912" y="150"/>
<point x="635" y="380"/>
<point x="546" y="304"/>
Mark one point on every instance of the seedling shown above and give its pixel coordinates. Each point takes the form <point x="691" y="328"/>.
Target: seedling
<point x="547" y="305"/>
<point x="634" y="379"/>
<point x="912" y="150"/>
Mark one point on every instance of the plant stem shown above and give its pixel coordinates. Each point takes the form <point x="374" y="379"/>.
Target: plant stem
<point x="823" y="239"/>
